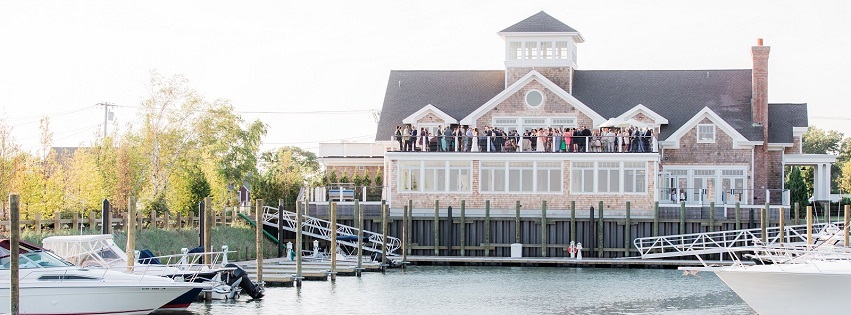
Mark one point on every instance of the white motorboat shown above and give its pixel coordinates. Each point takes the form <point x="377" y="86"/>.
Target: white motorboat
<point x="51" y="285"/>
<point x="222" y="280"/>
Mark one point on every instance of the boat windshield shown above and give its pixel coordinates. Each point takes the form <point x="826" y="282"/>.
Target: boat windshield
<point x="35" y="259"/>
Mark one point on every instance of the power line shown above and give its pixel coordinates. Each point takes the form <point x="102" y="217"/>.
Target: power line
<point x="303" y="142"/>
<point x="315" y="112"/>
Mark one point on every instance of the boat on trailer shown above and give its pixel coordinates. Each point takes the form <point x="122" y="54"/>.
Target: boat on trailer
<point x="52" y="285"/>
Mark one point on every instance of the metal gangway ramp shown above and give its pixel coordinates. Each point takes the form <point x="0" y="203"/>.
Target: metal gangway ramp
<point x="321" y="229"/>
<point x="728" y="241"/>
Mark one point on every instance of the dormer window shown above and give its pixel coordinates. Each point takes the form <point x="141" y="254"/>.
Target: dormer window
<point x="706" y="133"/>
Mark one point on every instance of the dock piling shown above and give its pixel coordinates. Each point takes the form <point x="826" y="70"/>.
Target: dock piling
<point x="463" y="237"/>
<point x="436" y="228"/>
<point x="543" y="228"/>
<point x="487" y="228"/>
<point x="14" y="262"/>
<point x="333" y="235"/>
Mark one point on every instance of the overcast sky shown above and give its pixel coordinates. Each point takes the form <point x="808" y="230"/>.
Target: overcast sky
<point x="323" y="65"/>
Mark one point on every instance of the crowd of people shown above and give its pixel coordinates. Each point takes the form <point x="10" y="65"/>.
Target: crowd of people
<point x="490" y="139"/>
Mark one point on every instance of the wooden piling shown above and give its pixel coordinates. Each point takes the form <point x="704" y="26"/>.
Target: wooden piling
<point x="543" y="228"/>
<point x="781" y="223"/>
<point x="600" y="241"/>
<point x="153" y="218"/>
<point x="517" y="222"/>
<point x="410" y="224"/>
<point x="627" y="231"/>
<point x="57" y="221"/>
<point x="105" y="217"/>
<point x="299" y="243"/>
<point x="383" y="233"/>
<point x="359" y="224"/>
<point x="655" y="219"/>
<point x="809" y="226"/>
<point x="738" y="219"/>
<point x="75" y="221"/>
<point x="682" y="217"/>
<point x="166" y="220"/>
<point x="14" y="262"/>
<point x="463" y="227"/>
<point x="404" y="231"/>
<point x="797" y="213"/>
<point x="130" y="249"/>
<point x="92" y="221"/>
<point x="280" y="235"/>
<point x="208" y="223"/>
<point x="258" y="235"/>
<point x="572" y="220"/>
<point x="436" y="229"/>
<point x="763" y="216"/>
<point x="711" y="216"/>
<point x="845" y="229"/>
<point x="487" y="228"/>
<point x="333" y="241"/>
<point x="37" y="223"/>
<point x="179" y="224"/>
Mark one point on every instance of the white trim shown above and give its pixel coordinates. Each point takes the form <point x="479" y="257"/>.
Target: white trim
<point x="516" y="86"/>
<point x="546" y="35"/>
<point x="412" y="119"/>
<point x="658" y="120"/>
<point x="739" y="141"/>
<point x="808" y="159"/>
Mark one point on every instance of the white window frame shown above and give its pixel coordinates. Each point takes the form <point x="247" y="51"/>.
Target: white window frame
<point x="441" y="177"/>
<point x="699" y="132"/>
<point x="522" y="169"/>
<point x="526" y="98"/>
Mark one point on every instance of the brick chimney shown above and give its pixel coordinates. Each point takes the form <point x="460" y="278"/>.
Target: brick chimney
<point x="759" y="84"/>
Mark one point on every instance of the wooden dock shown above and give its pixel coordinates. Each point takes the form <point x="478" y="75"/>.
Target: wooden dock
<point x="557" y="262"/>
<point x="281" y="271"/>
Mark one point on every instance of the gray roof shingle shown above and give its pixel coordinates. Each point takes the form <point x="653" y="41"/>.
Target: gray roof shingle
<point x="541" y="22"/>
<point x="675" y="94"/>
<point x="782" y="118"/>
<point x="456" y="93"/>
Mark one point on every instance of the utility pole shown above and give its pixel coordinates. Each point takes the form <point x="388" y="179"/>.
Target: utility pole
<point x="106" y="117"/>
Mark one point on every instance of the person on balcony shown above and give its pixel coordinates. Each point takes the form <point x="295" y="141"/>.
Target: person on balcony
<point x="399" y="138"/>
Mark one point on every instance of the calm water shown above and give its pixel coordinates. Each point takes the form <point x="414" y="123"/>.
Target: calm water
<point x="498" y="290"/>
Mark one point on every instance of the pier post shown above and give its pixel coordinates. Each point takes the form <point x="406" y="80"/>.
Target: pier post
<point x="592" y="227"/>
<point x="281" y="229"/>
<point x="14" y="248"/>
<point x="105" y="225"/>
<point x="763" y="216"/>
<point x="92" y="221"/>
<point x="436" y="228"/>
<point x="809" y="226"/>
<point x="57" y="221"/>
<point x="517" y="222"/>
<point x="487" y="228"/>
<point x="572" y="220"/>
<point x="333" y="235"/>
<point x="845" y="227"/>
<point x="463" y="237"/>
<point x="75" y="221"/>
<point x="797" y="213"/>
<point x="179" y="224"/>
<point x="738" y="219"/>
<point x="711" y="216"/>
<point x="600" y="241"/>
<point x="383" y="233"/>
<point x="410" y="225"/>
<point x="750" y="218"/>
<point x="208" y="223"/>
<point x="682" y="217"/>
<point x="543" y="228"/>
<point x="781" y="222"/>
<point x="200" y="222"/>
<point x="655" y="219"/>
<point x="37" y="222"/>
<point x="299" y="243"/>
<point x="166" y="220"/>
<point x="627" y="231"/>
<point x="131" y="234"/>
<point x="258" y="235"/>
<point x="359" y="231"/>
<point x="450" y="232"/>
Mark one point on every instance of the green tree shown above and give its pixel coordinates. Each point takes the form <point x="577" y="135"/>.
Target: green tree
<point x="797" y="188"/>
<point x="817" y="141"/>
<point x="11" y="161"/>
<point x="284" y="171"/>
<point x="379" y="180"/>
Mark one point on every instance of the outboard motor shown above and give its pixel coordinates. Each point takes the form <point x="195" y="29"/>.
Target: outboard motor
<point x="240" y="278"/>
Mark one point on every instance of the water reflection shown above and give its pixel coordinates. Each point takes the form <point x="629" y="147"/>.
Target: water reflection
<point x="498" y="290"/>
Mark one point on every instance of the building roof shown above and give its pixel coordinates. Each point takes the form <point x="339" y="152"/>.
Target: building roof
<point x="675" y="94"/>
<point x="782" y="118"/>
<point x="541" y="22"/>
<point x="457" y="93"/>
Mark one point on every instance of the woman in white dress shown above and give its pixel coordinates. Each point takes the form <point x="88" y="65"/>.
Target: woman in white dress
<point x="539" y="140"/>
<point x="475" y="144"/>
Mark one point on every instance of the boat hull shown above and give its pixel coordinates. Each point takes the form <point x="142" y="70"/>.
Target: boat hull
<point x="87" y="299"/>
<point x="780" y="289"/>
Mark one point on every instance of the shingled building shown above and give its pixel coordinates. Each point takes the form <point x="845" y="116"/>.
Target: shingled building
<point x="715" y="138"/>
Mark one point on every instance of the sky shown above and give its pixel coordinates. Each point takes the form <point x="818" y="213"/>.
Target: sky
<point x="315" y="71"/>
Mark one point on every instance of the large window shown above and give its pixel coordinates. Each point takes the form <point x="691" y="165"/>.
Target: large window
<point x="634" y="177"/>
<point x="539" y="50"/>
<point x="608" y="177"/>
<point x="435" y="176"/>
<point x="582" y="177"/>
<point x="521" y="177"/>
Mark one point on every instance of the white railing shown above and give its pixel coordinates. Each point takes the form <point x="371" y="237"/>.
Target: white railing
<point x="725" y="242"/>
<point x="321" y="229"/>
